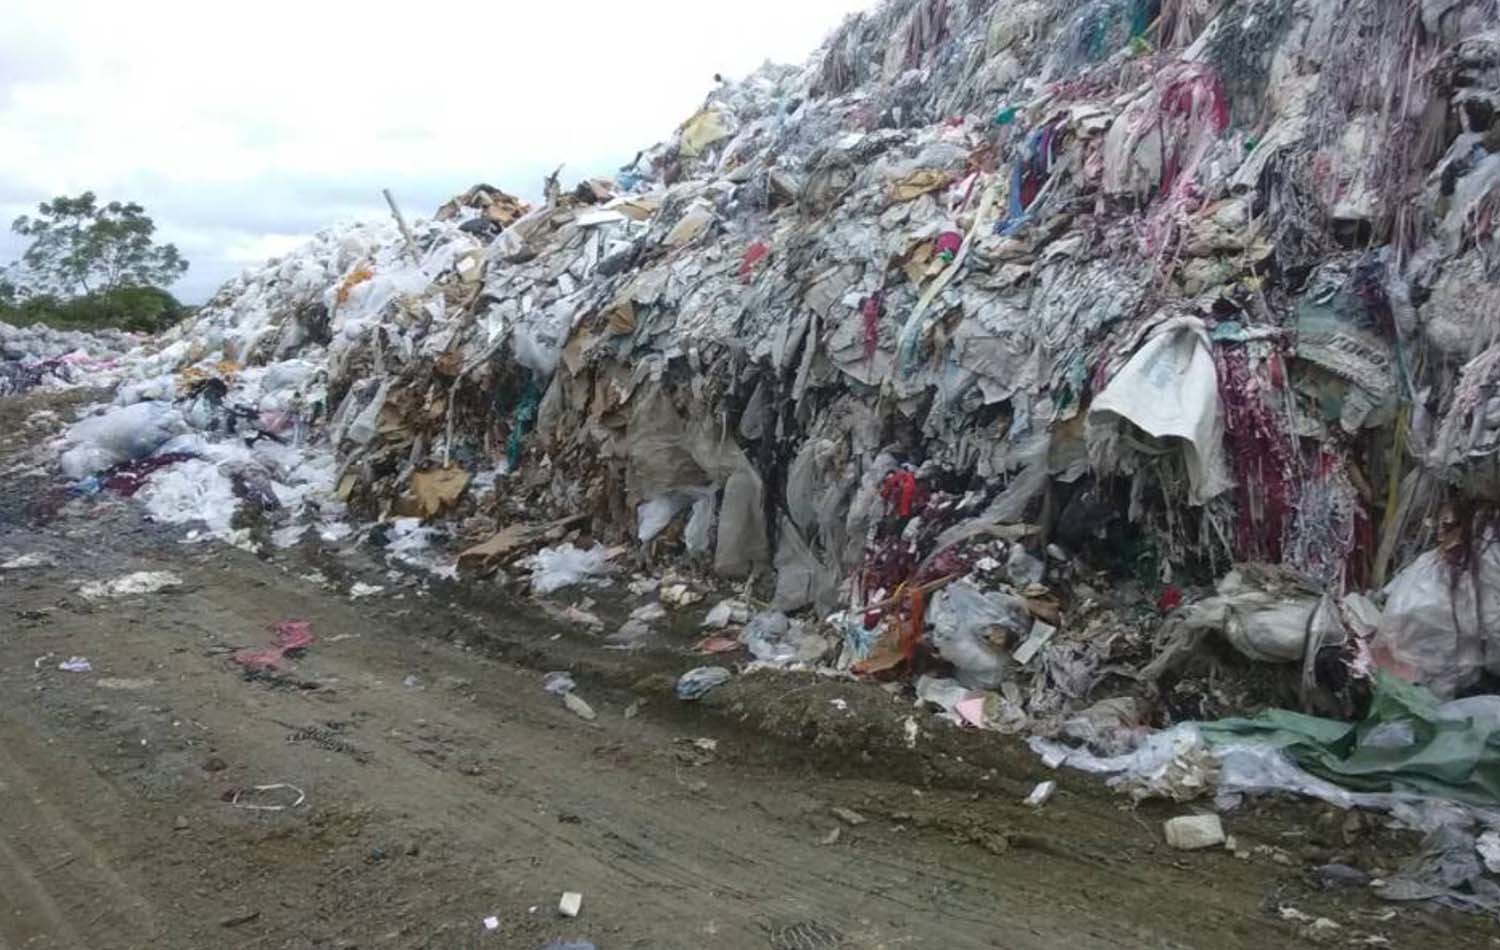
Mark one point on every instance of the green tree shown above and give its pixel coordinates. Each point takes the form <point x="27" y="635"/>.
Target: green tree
<point x="80" y="247"/>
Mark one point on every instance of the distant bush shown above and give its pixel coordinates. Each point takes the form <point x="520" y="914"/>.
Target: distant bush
<point x="139" y="309"/>
<point x="89" y="266"/>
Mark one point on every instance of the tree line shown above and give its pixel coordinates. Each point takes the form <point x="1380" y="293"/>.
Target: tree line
<point x="90" y="265"/>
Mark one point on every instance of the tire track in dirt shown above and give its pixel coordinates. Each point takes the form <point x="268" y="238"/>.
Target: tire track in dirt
<point x="56" y="869"/>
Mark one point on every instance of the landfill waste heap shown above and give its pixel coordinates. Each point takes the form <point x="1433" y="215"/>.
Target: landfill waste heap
<point x="991" y="314"/>
<point x="42" y="356"/>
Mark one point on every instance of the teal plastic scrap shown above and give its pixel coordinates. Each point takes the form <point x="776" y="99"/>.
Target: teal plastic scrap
<point x="520" y="423"/>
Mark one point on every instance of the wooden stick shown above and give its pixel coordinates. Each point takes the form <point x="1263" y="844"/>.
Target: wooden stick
<point x="411" y="243"/>
<point x="906" y="592"/>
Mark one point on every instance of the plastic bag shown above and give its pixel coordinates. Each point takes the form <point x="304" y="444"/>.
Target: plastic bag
<point x="534" y="352"/>
<point x="122" y="434"/>
<point x="772" y="638"/>
<point x="1448" y="871"/>
<point x="653" y="515"/>
<point x="726" y="612"/>
<point x="1265" y="626"/>
<point x="191" y="491"/>
<point x="801" y="577"/>
<point x="565" y="565"/>
<point x="1175" y="763"/>
<point x="694" y="683"/>
<point x="970" y="629"/>
<point x="1435" y="631"/>
<point x="698" y="535"/>
<point x="364" y="426"/>
<point x="1169" y="388"/>
<point x="1022" y="568"/>
<point x="742" y="543"/>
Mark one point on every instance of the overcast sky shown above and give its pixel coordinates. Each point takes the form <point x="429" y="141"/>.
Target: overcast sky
<point x="244" y="127"/>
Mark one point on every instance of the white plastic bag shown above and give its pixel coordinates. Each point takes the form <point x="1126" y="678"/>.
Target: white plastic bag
<point x="1435" y="630"/>
<point x="1169" y="389"/>
<point x="654" y="514"/>
<point x="970" y="629"/>
<point x="774" y="639"/>
<point x="121" y="434"/>
<point x="565" y="565"/>
<point x="191" y="491"/>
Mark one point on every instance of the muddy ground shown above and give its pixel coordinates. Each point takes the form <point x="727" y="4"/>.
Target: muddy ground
<point x="441" y="785"/>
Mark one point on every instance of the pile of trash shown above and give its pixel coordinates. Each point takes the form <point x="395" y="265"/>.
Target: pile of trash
<point x="40" y="356"/>
<point x="1032" y="349"/>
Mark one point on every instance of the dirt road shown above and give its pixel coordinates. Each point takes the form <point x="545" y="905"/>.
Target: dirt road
<point x="439" y="785"/>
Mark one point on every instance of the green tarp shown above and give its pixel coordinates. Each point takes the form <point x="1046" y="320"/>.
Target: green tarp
<point x="1456" y="759"/>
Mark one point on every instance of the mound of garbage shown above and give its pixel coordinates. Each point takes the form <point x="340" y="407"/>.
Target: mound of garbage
<point x="47" y="357"/>
<point x="1026" y="349"/>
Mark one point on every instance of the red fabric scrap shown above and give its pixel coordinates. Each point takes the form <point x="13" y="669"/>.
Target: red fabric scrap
<point x="901" y="492"/>
<point x="1262" y="455"/>
<point x="1170" y="599"/>
<point x="869" y="310"/>
<point x="949" y="242"/>
<point x="126" y="478"/>
<point x="291" y="636"/>
<point x="754" y="254"/>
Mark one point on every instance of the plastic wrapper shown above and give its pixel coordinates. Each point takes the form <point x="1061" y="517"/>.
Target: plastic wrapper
<point x="970" y="629"/>
<point x="772" y="638"/>
<point x="554" y="568"/>
<point x="696" y="682"/>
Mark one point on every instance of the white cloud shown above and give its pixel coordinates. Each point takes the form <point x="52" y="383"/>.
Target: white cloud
<point x="240" y="127"/>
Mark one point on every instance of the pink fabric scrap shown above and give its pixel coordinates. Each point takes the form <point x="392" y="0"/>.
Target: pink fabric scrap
<point x="971" y="711"/>
<point x="291" y="636"/>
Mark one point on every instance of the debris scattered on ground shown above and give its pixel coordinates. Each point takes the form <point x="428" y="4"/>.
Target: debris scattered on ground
<point x="578" y="707"/>
<point x="239" y="920"/>
<point x="1329" y="876"/>
<point x="76" y="664"/>
<point x="848" y="816"/>
<point x="696" y="682"/>
<point x="139" y="582"/>
<point x="124" y="683"/>
<point x="678" y="596"/>
<point x="290" y="637"/>
<point x="275" y="797"/>
<point x="1041" y="794"/>
<point x="725" y="613"/>
<point x="570" y="904"/>
<point x="33" y="559"/>
<point x="559" y="683"/>
<point x="564" y="566"/>
<point x="1195" y="832"/>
